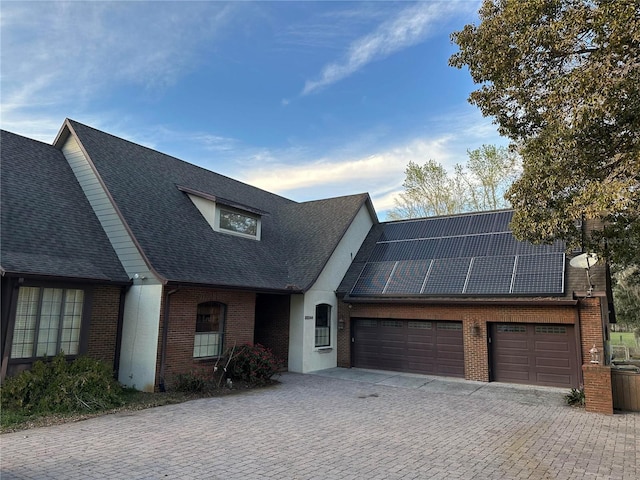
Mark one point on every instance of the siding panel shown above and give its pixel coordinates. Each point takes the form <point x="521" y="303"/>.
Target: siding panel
<point x="122" y="243"/>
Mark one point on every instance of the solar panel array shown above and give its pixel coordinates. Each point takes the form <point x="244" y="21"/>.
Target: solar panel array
<point x="473" y="254"/>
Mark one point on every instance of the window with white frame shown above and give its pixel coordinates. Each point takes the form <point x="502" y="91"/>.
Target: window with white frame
<point x="48" y="321"/>
<point x="323" y="325"/>
<point x="226" y="216"/>
<point x="209" y="330"/>
<point x="238" y="222"/>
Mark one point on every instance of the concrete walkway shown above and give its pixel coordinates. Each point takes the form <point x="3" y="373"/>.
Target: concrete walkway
<point x="340" y="424"/>
<point x="527" y="394"/>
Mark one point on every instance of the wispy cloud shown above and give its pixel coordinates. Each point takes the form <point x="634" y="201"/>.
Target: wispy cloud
<point x="60" y="57"/>
<point x="381" y="173"/>
<point x="409" y="27"/>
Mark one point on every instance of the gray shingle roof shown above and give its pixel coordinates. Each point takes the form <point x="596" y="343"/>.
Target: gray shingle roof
<point x="48" y="227"/>
<point x="296" y="242"/>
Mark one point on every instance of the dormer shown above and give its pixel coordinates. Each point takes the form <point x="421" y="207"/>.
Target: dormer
<point x="226" y="216"/>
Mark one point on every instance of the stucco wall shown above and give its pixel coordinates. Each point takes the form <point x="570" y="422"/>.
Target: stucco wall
<point x="304" y="356"/>
<point x="140" y="337"/>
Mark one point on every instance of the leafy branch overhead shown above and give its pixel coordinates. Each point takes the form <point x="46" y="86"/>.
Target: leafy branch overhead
<point x="561" y="78"/>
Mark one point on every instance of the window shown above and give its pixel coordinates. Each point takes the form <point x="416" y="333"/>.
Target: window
<point x="225" y="215"/>
<point x="47" y="322"/>
<point x="209" y="330"/>
<point x="502" y="328"/>
<point x="237" y="222"/>
<point x="323" y="325"/>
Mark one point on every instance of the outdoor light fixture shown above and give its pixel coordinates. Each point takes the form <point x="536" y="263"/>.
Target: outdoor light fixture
<point x="595" y="354"/>
<point x="475" y="330"/>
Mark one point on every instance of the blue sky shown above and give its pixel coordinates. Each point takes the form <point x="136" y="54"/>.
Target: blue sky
<point x="304" y="99"/>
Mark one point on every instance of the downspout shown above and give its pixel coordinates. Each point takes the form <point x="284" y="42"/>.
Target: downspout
<point x="116" y="358"/>
<point x="165" y="337"/>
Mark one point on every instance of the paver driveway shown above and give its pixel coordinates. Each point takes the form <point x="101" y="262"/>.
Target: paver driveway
<point x="322" y="427"/>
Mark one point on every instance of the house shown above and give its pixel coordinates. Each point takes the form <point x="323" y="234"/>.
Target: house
<point x="168" y="265"/>
<point x="63" y="285"/>
<point x="460" y="296"/>
<point x="212" y="262"/>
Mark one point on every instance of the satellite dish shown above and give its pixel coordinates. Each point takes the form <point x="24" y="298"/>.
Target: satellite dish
<point x="584" y="260"/>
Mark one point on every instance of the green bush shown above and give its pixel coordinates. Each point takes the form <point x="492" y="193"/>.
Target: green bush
<point x="59" y="386"/>
<point x="253" y="364"/>
<point x="575" y="397"/>
<point x="190" y="383"/>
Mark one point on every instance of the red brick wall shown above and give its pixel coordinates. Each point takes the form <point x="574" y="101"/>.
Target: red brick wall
<point x="101" y="343"/>
<point x="183" y="306"/>
<point x="597" y="389"/>
<point x="272" y="324"/>
<point x="344" y="336"/>
<point x="475" y="345"/>
<point x="590" y="327"/>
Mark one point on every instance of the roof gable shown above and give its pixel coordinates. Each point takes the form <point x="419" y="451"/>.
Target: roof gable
<point x="152" y="189"/>
<point x="48" y="226"/>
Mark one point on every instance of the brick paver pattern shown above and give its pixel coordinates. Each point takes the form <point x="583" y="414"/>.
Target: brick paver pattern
<point x="312" y="427"/>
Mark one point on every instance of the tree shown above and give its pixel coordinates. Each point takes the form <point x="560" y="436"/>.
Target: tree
<point x="490" y="171"/>
<point x="479" y="185"/>
<point x="428" y="190"/>
<point x="561" y="78"/>
<point x="626" y="292"/>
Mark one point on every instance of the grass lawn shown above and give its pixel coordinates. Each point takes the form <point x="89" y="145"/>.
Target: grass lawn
<point x="623" y="338"/>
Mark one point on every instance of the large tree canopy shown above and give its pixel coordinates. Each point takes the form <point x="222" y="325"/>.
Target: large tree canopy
<point x="561" y="78"/>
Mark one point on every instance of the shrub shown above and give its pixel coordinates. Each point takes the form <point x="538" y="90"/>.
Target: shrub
<point x="575" y="397"/>
<point x="59" y="386"/>
<point x="190" y="383"/>
<point x="253" y="364"/>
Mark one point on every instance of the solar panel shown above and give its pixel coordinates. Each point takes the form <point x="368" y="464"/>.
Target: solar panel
<point x="502" y="221"/>
<point x="476" y="246"/>
<point x="458" y="225"/>
<point x="539" y="274"/>
<point x="373" y="278"/>
<point x="408" y="277"/>
<point x="450" y="247"/>
<point x="447" y="276"/>
<point x="466" y="254"/>
<point x="482" y="223"/>
<point x="433" y="228"/>
<point x="490" y="275"/>
<point x="503" y="244"/>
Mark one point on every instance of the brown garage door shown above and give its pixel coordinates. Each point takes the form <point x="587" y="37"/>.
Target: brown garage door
<point x="534" y="354"/>
<point x="414" y="346"/>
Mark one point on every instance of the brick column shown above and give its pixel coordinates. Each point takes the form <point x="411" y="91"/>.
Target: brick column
<point x="597" y="388"/>
<point x="344" y="335"/>
<point x="476" y="350"/>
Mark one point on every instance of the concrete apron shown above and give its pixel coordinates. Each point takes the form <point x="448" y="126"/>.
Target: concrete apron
<point x="529" y="394"/>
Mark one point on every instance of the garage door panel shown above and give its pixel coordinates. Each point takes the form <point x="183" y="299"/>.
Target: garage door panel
<point x="534" y="354"/>
<point x="553" y="379"/>
<point x="550" y="346"/>
<point x="415" y="346"/>
<point x="513" y="360"/>
<point x="556" y="363"/>
<point x="515" y="376"/>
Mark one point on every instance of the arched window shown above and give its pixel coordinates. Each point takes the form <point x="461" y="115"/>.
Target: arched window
<point x="323" y="325"/>
<point x="209" y="329"/>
